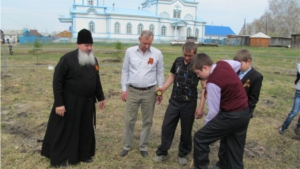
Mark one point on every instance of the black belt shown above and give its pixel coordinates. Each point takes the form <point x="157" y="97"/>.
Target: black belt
<point x="141" y="88"/>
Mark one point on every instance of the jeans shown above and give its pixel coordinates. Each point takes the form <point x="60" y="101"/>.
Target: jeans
<point x="294" y="111"/>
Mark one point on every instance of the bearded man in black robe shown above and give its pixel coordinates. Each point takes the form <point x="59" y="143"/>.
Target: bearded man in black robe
<point x="70" y="136"/>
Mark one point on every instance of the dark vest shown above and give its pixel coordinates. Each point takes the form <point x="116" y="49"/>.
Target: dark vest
<point x="233" y="95"/>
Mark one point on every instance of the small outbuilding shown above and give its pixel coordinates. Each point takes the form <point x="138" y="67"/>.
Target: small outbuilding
<point x="295" y="41"/>
<point x="238" y="40"/>
<point x="260" y="40"/>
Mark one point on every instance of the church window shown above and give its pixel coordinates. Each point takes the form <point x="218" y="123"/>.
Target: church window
<point x="117" y="27"/>
<point x="140" y="28"/>
<point x="90" y="2"/>
<point x="151" y="28"/>
<point x="128" y="28"/>
<point x="197" y="33"/>
<point x="188" y="32"/>
<point x="176" y="13"/>
<point x="163" y="31"/>
<point x="92" y="26"/>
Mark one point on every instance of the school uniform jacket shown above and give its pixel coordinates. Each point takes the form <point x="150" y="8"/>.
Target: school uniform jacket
<point x="252" y="82"/>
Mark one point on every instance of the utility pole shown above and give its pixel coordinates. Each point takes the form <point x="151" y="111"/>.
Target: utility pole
<point x="266" y="26"/>
<point x="245" y="26"/>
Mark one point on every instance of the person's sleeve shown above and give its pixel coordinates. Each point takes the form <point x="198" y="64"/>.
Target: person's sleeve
<point x="213" y="101"/>
<point x="298" y="68"/>
<point x="99" y="90"/>
<point x="160" y="71"/>
<point x="253" y="96"/>
<point x="58" y="81"/>
<point x="125" y="70"/>
<point x="173" y="68"/>
<point x="234" y="64"/>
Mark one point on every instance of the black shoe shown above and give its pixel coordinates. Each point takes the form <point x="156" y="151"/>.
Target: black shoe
<point x="144" y="153"/>
<point x="282" y="130"/>
<point x="90" y="160"/>
<point x="214" y="167"/>
<point x="123" y="153"/>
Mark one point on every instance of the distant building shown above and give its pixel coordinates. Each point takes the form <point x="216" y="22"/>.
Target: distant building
<point x="2" y="36"/>
<point x="295" y="41"/>
<point x="12" y="36"/>
<point x="30" y="36"/>
<point x="217" y="32"/>
<point x="34" y="32"/>
<point x="167" y="19"/>
<point x="260" y="40"/>
<point x="64" y="34"/>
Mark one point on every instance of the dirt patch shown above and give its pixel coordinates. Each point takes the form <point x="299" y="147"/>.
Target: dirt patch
<point x="112" y="93"/>
<point x="111" y="60"/>
<point x="252" y="150"/>
<point x="269" y="103"/>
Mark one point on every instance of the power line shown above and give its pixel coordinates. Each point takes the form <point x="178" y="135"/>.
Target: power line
<point x="12" y="20"/>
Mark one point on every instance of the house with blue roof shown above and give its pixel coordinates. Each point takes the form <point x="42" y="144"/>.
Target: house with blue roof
<point x="217" y="32"/>
<point x="169" y="20"/>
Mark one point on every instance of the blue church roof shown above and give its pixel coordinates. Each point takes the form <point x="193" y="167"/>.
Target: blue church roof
<point x="212" y="30"/>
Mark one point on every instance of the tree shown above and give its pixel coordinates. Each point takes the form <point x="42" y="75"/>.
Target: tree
<point x="119" y="47"/>
<point x="36" y="50"/>
<point x="281" y="19"/>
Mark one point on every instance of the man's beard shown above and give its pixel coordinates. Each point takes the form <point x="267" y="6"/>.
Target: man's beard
<point x="86" y="58"/>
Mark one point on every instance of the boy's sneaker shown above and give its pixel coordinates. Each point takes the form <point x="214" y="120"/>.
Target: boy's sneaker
<point x="282" y="130"/>
<point x="182" y="161"/>
<point x="160" y="158"/>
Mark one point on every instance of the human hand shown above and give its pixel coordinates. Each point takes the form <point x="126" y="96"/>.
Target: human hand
<point x="60" y="111"/>
<point x="124" y="96"/>
<point x="160" y="92"/>
<point x="102" y="104"/>
<point x="159" y="99"/>
<point x="199" y="113"/>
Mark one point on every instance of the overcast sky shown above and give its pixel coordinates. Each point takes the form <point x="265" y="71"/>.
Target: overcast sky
<point x="43" y="15"/>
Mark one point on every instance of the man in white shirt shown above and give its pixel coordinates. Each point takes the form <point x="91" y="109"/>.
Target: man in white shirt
<point x="143" y="68"/>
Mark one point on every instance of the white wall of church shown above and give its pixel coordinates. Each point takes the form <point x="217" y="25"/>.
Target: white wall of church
<point x="104" y="26"/>
<point x="78" y="2"/>
<point x="185" y="10"/>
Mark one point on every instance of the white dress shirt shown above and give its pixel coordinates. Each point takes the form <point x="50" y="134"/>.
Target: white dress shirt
<point x="142" y="70"/>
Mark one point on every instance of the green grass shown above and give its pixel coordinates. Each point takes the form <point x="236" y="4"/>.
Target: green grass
<point x="27" y="88"/>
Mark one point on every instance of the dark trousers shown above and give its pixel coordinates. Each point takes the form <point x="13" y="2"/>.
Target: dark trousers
<point x="185" y="111"/>
<point x="231" y="127"/>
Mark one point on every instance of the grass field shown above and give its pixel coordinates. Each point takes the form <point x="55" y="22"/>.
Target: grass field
<point x="26" y="101"/>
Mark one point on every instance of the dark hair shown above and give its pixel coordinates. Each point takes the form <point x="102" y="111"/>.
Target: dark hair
<point x="242" y="55"/>
<point x="199" y="60"/>
<point x="189" y="46"/>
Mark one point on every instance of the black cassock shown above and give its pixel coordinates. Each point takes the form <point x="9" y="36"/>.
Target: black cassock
<point x="71" y="137"/>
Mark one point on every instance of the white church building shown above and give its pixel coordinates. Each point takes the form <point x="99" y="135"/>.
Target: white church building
<point x="169" y="20"/>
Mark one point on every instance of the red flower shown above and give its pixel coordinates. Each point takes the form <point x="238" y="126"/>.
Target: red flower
<point x="150" y="61"/>
<point x="97" y="67"/>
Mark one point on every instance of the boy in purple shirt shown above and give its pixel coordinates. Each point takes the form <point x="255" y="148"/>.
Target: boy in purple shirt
<point x="228" y="115"/>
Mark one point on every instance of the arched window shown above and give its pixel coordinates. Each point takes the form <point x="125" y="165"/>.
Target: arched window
<point x="140" y="28"/>
<point x="128" y="28"/>
<point x="163" y="31"/>
<point x="151" y="28"/>
<point x="197" y="33"/>
<point x="188" y="32"/>
<point x="92" y="26"/>
<point x="117" y="27"/>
